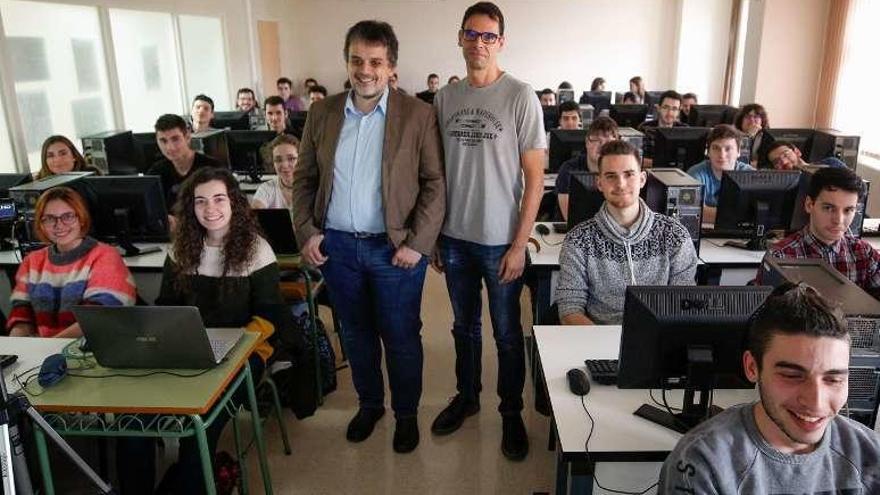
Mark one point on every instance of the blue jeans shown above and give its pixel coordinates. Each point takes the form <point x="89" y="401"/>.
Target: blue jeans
<point x="467" y="266"/>
<point x="378" y="305"/>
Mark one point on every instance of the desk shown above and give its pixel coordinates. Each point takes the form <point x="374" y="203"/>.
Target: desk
<point x="111" y="407"/>
<point x="736" y="266"/>
<point x="152" y="262"/>
<point x="248" y="187"/>
<point x="618" y="435"/>
<point x="544" y="264"/>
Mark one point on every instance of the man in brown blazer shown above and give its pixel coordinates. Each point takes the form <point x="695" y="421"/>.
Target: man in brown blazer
<point x="369" y="198"/>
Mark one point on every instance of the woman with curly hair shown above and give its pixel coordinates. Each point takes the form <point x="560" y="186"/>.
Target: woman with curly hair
<point x="59" y="155"/>
<point x="752" y="120"/>
<point x="219" y="263"/>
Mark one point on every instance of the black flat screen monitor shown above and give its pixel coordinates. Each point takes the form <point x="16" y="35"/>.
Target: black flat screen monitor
<point x="551" y="117"/>
<point x="601" y="100"/>
<point x="12" y="180"/>
<point x="653" y="98"/>
<point x="236" y="120"/>
<point x="128" y="209"/>
<point x="244" y="150"/>
<point x="679" y="147"/>
<point x="278" y="229"/>
<point x="629" y="115"/>
<point x="564" y="144"/>
<point x="296" y="123"/>
<point x="584" y="198"/>
<point x="146" y="150"/>
<point x="689" y="338"/>
<point x="756" y="202"/>
<point x="712" y="115"/>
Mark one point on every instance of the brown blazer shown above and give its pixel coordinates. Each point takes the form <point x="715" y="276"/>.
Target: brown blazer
<point x="413" y="177"/>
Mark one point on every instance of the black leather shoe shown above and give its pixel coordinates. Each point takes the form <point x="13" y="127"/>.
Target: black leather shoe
<point x="514" y="440"/>
<point x="406" y="435"/>
<point x="451" y="418"/>
<point x="361" y="426"/>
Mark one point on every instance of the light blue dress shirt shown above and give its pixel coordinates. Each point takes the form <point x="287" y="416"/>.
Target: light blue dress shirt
<point x="356" y="197"/>
<point x="711" y="184"/>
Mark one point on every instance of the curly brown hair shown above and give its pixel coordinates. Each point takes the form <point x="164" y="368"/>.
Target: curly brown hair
<point x="188" y="240"/>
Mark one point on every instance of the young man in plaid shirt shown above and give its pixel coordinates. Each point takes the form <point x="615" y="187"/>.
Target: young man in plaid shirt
<point x="831" y="203"/>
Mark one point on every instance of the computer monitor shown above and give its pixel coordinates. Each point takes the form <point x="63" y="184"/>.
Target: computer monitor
<point x="564" y="95"/>
<point x="551" y="117"/>
<point x="296" y="122"/>
<point x="679" y="147"/>
<point x="601" y="100"/>
<point x="12" y="180"/>
<point x="129" y="209"/>
<point x="653" y="98"/>
<point x="712" y="115"/>
<point x="756" y="202"/>
<point x="628" y="115"/>
<point x="235" y="120"/>
<point x="565" y="143"/>
<point x="244" y="151"/>
<point x="799" y="216"/>
<point x="212" y="143"/>
<point x="146" y="151"/>
<point x="584" y="198"/>
<point x="686" y="337"/>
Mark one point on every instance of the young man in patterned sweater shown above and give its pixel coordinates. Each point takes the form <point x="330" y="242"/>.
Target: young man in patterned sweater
<point x="624" y="244"/>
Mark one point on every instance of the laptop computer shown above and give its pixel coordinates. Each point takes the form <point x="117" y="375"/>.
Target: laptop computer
<point x="278" y="227"/>
<point x="154" y="337"/>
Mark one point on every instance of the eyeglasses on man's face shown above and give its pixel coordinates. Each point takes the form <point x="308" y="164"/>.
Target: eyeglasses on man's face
<point x="471" y="35"/>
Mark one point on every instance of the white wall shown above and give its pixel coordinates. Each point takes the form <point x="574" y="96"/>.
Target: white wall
<point x="703" y="44"/>
<point x="548" y="41"/>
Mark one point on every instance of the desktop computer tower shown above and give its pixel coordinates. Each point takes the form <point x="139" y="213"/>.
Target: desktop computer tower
<point x="799" y="217"/>
<point x="588" y="113"/>
<point x="672" y="192"/>
<point x="830" y="142"/>
<point x="634" y="138"/>
<point x="110" y="152"/>
<point x="212" y="143"/>
<point x="862" y="314"/>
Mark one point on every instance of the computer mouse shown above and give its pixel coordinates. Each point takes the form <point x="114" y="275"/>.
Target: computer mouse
<point x="578" y="382"/>
<point x="52" y="371"/>
<point x="542" y="229"/>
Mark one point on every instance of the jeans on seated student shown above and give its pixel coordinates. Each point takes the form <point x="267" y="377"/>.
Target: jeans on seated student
<point x="138" y="473"/>
<point x="466" y="265"/>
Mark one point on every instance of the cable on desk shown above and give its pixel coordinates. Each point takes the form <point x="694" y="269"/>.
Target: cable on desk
<point x="142" y="375"/>
<point x="587" y="450"/>
<point x="544" y="239"/>
<point x="668" y="407"/>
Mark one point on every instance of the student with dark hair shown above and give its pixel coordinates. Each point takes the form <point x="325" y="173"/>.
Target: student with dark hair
<point x="793" y="439"/>
<point x="548" y="98"/>
<point x="58" y="155"/>
<point x="317" y="93"/>
<point x="246" y="100"/>
<point x="179" y="160"/>
<point x="752" y="120"/>
<point x="276" y="114"/>
<point x="370" y="220"/>
<point x="495" y="183"/>
<point x="688" y="100"/>
<point x="624" y="244"/>
<point x="202" y="113"/>
<point x="292" y="103"/>
<point x="667" y="116"/>
<point x="784" y="155"/>
<point x="630" y="98"/>
<point x="723" y="146"/>
<point x="73" y="269"/>
<point x="602" y="130"/>
<point x="433" y="86"/>
<point x="453" y="79"/>
<point x="569" y="115"/>
<point x="218" y="263"/>
<point x="831" y="202"/>
<point x="565" y="85"/>
<point x="598" y="84"/>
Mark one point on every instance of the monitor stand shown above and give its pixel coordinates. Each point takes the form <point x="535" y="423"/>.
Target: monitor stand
<point x="758" y="239"/>
<point x="123" y="239"/>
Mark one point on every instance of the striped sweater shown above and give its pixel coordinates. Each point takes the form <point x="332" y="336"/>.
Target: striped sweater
<point x="49" y="283"/>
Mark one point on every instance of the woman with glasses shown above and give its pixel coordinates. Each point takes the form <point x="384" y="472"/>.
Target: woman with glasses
<point x="752" y="120"/>
<point x="58" y="156"/>
<point x="74" y="269"/>
<point x="278" y="192"/>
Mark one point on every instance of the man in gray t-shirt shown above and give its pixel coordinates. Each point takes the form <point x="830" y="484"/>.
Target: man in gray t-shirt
<point x="493" y="136"/>
<point x="792" y="440"/>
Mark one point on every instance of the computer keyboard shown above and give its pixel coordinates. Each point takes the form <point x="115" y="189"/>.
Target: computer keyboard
<point x="602" y="371"/>
<point x="221" y="347"/>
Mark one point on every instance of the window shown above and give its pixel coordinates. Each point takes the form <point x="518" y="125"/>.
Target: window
<point x="204" y="59"/>
<point x="7" y="160"/>
<point x="856" y="105"/>
<point x="57" y="63"/>
<point x="146" y="61"/>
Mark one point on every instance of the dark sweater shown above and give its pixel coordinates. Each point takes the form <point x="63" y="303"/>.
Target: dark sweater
<point x="250" y="299"/>
<point x="171" y="180"/>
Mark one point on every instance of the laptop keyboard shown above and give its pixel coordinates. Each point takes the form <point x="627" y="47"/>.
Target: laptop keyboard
<point x="221" y="347"/>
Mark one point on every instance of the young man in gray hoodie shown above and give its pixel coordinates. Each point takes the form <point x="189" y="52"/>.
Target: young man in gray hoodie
<point x="792" y="440"/>
<point x="624" y="244"/>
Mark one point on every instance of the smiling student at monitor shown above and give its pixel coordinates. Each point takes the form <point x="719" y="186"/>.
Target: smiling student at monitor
<point x="625" y="243"/>
<point x="723" y="145"/>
